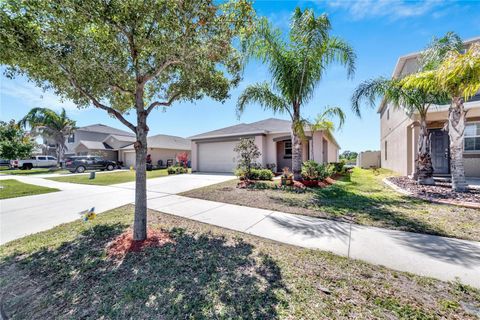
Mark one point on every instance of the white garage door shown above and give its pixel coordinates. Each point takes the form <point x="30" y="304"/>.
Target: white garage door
<point x="129" y="159"/>
<point x="217" y="156"/>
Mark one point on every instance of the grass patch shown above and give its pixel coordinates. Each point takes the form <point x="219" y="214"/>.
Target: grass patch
<point x="364" y="197"/>
<point x="34" y="171"/>
<point x="207" y="273"/>
<point x="12" y="188"/>
<point x="109" y="178"/>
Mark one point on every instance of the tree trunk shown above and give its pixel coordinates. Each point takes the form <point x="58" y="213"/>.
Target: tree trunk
<point x="140" y="219"/>
<point x="296" y="148"/>
<point x="456" y="129"/>
<point x="423" y="161"/>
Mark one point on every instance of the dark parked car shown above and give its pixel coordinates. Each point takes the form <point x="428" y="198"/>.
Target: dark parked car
<point x="81" y="163"/>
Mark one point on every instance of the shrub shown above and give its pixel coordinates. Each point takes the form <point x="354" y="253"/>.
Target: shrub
<point x="247" y="152"/>
<point x="311" y="170"/>
<point x="177" y="169"/>
<point x="338" y="166"/>
<point x="182" y="158"/>
<point x="261" y="174"/>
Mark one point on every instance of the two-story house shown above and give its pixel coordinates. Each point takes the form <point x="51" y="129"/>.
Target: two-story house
<point x="399" y="131"/>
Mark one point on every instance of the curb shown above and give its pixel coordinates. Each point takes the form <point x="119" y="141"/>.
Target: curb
<point x="465" y="204"/>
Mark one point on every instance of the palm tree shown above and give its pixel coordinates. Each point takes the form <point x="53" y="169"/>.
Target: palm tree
<point x="52" y="125"/>
<point x="413" y="101"/>
<point x="458" y="75"/>
<point x="296" y="67"/>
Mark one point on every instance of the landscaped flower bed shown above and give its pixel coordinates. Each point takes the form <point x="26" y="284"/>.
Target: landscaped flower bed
<point x="440" y="191"/>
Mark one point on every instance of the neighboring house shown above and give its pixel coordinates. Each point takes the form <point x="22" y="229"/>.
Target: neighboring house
<point x="160" y="147"/>
<point x="100" y="140"/>
<point x="399" y="132"/>
<point x="213" y="151"/>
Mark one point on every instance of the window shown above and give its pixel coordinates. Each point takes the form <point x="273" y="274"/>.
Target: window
<point x="71" y="138"/>
<point x="51" y="158"/>
<point x="472" y="136"/>
<point x="388" y="113"/>
<point x="287" y="149"/>
<point x="386" y="145"/>
<point x="42" y="158"/>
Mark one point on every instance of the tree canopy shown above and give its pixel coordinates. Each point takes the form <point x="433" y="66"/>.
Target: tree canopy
<point x="102" y="52"/>
<point x="14" y="142"/>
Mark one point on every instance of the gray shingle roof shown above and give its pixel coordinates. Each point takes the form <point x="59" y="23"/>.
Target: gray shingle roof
<point x="271" y="125"/>
<point x="105" y="129"/>
<point x="164" y="141"/>
<point x="94" y="145"/>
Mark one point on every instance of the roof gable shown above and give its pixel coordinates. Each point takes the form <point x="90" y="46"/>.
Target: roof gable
<point x="271" y="125"/>
<point x="101" y="128"/>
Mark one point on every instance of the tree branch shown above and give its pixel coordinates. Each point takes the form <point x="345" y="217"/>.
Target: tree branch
<point x="120" y="89"/>
<point x="165" y="103"/>
<point x="96" y="103"/>
<point x="159" y="70"/>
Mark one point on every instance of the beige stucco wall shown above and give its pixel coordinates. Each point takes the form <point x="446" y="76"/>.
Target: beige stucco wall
<point x="268" y="148"/>
<point x="158" y="154"/>
<point x="368" y="159"/>
<point x="401" y="134"/>
<point x="394" y="130"/>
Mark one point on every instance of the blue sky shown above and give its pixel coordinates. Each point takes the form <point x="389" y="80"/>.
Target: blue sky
<point x="379" y="31"/>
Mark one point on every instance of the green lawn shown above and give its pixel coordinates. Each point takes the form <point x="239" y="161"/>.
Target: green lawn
<point x="362" y="196"/>
<point x="207" y="273"/>
<point x="12" y="188"/>
<point x="105" y="179"/>
<point x="34" y="171"/>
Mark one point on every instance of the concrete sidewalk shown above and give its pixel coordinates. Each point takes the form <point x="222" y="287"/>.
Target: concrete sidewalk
<point x="433" y="256"/>
<point x="26" y="215"/>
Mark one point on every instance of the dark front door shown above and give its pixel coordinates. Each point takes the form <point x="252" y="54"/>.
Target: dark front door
<point x="440" y="151"/>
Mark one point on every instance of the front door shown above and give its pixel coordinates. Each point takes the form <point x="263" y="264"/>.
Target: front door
<point x="440" y="151"/>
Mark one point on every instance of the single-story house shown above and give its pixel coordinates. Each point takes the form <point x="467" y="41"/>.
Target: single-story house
<point x="160" y="147"/>
<point x="399" y="131"/>
<point x="98" y="139"/>
<point x="213" y="151"/>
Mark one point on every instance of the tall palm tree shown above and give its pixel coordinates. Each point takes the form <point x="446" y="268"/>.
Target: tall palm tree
<point x="296" y="66"/>
<point x="459" y="75"/>
<point x="51" y="125"/>
<point x="412" y="100"/>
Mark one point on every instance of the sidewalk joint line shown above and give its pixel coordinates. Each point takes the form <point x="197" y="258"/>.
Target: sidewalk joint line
<point x="268" y="215"/>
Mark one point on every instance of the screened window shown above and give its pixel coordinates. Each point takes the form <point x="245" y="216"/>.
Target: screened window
<point x="472" y="136"/>
<point x="386" y="150"/>
<point x="288" y="148"/>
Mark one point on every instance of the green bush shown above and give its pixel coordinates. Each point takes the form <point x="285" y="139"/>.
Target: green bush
<point x="315" y="171"/>
<point x="311" y="170"/>
<point x="338" y="166"/>
<point x="261" y="174"/>
<point x="177" y="170"/>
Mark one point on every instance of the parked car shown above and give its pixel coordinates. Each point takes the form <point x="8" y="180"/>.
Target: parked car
<point x="4" y="163"/>
<point x="34" y="162"/>
<point x="81" y="163"/>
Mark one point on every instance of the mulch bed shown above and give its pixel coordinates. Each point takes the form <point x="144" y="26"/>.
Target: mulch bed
<point x="440" y="191"/>
<point x="124" y="243"/>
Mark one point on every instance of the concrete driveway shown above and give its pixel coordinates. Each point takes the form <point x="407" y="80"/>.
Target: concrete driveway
<point x="26" y="215"/>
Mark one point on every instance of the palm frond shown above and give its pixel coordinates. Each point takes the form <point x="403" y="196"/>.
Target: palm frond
<point x="262" y="94"/>
<point x="369" y="91"/>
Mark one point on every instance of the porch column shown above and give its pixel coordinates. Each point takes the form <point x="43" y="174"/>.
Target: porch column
<point x="415" y="131"/>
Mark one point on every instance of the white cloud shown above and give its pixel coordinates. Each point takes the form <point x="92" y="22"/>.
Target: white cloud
<point x="394" y="9"/>
<point x="33" y="96"/>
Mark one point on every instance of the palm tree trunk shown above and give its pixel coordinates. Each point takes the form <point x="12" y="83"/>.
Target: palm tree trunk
<point x="296" y="147"/>
<point x="456" y="129"/>
<point x="423" y="161"/>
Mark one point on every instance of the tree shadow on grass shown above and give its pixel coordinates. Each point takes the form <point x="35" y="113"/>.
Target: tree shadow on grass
<point x="199" y="277"/>
<point x="376" y="207"/>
